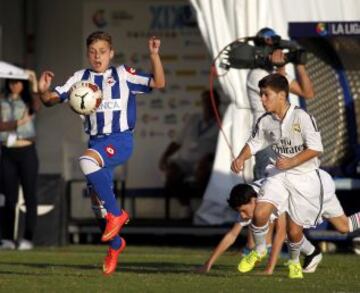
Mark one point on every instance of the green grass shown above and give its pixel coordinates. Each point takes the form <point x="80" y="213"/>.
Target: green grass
<point x="161" y="269"/>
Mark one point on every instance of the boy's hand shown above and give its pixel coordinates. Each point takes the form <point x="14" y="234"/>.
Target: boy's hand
<point x="237" y="165"/>
<point x="32" y="80"/>
<point x="154" y="45"/>
<point x="285" y="163"/>
<point x="45" y="81"/>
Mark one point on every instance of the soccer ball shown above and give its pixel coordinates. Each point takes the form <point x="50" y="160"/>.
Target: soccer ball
<point x="85" y="97"/>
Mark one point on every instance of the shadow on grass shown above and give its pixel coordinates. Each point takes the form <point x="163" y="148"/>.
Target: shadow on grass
<point x="126" y="267"/>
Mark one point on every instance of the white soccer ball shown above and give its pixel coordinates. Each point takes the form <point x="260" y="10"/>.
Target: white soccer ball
<point x="85" y="97"/>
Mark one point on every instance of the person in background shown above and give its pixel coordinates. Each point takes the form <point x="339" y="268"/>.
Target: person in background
<point x="19" y="160"/>
<point x="300" y="86"/>
<point x="187" y="161"/>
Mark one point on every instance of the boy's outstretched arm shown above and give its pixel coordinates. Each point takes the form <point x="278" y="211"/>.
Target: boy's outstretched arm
<point x="228" y="239"/>
<point x="158" y="80"/>
<point x="278" y="241"/>
<point x="47" y="97"/>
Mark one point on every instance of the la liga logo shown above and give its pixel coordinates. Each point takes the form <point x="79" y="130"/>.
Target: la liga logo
<point x="321" y="29"/>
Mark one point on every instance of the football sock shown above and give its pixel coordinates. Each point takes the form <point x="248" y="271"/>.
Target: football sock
<point x="102" y="185"/>
<point x="294" y="250"/>
<point x="306" y="247"/>
<point x="259" y="234"/>
<point x="354" y="222"/>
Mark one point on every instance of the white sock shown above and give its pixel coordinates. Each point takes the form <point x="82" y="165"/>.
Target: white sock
<point x="354" y="222"/>
<point x="88" y="165"/>
<point x="259" y="234"/>
<point x="294" y="250"/>
<point x="306" y="247"/>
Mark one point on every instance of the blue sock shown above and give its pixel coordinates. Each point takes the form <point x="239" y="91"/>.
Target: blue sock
<point x="116" y="242"/>
<point x="102" y="185"/>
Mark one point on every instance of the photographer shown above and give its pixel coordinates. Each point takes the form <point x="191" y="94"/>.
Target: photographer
<point x="267" y="38"/>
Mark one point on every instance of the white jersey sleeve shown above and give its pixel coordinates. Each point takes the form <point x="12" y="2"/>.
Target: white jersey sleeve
<point x="310" y="133"/>
<point x="258" y="140"/>
<point x="138" y="82"/>
<point x="63" y="91"/>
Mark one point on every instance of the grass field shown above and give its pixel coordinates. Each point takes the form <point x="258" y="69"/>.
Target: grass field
<point x="161" y="269"/>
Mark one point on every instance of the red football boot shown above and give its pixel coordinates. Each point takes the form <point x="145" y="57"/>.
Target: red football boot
<point x="114" y="225"/>
<point x="110" y="261"/>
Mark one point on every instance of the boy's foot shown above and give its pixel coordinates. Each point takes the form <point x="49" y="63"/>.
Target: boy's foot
<point x="249" y="261"/>
<point x="6" y="244"/>
<point x="114" y="225"/>
<point x="25" y="245"/>
<point x="295" y="270"/>
<point x="312" y="261"/>
<point x="111" y="258"/>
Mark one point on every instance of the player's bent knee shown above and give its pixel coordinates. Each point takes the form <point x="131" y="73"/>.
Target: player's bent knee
<point x="88" y="165"/>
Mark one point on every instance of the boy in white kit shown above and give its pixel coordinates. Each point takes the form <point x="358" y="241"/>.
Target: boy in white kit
<point x="296" y="143"/>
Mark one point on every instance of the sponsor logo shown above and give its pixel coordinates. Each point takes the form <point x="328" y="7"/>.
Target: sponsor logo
<point x="119" y="16"/>
<point x="157" y="104"/>
<point x="170" y="119"/>
<point x="130" y="70"/>
<point x="321" y="29"/>
<point x="99" y="19"/>
<point x="337" y="28"/>
<point x="146" y="118"/>
<point x="110" y="105"/>
<point x="296" y="127"/>
<point x="110" y="81"/>
<point x="110" y="150"/>
<point x="165" y="17"/>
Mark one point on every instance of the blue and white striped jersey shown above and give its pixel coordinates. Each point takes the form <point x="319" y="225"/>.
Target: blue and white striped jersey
<point x="117" y="112"/>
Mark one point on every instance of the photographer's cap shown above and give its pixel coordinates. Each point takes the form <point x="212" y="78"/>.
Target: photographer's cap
<point x="264" y="34"/>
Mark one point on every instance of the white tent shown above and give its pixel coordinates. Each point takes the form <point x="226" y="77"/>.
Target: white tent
<point x="8" y="70"/>
<point x="221" y="22"/>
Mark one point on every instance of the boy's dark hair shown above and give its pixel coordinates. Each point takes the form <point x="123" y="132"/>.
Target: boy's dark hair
<point x="98" y="36"/>
<point x="276" y="82"/>
<point x="241" y="194"/>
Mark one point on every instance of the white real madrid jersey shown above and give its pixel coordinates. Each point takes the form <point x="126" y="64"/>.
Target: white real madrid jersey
<point x="117" y="111"/>
<point x="295" y="133"/>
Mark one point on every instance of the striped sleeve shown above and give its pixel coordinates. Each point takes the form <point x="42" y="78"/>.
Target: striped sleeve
<point x="63" y="91"/>
<point x="257" y="140"/>
<point x="310" y="132"/>
<point x="138" y="82"/>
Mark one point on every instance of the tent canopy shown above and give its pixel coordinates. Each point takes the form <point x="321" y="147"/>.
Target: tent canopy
<point x="8" y="70"/>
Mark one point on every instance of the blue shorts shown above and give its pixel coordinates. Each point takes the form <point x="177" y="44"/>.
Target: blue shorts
<point x="114" y="149"/>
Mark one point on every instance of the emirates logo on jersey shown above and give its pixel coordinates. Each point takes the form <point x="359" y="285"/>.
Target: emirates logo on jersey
<point x="110" y="150"/>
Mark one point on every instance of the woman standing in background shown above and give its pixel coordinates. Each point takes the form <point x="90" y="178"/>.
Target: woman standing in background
<point x="19" y="160"/>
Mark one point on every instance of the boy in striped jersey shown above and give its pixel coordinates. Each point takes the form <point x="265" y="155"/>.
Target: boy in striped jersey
<point x="110" y="128"/>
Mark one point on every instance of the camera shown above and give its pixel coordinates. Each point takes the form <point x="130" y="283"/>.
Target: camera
<point x="244" y="55"/>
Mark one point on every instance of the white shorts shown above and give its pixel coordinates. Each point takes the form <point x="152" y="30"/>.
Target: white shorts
<point x="307" y="198"/>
